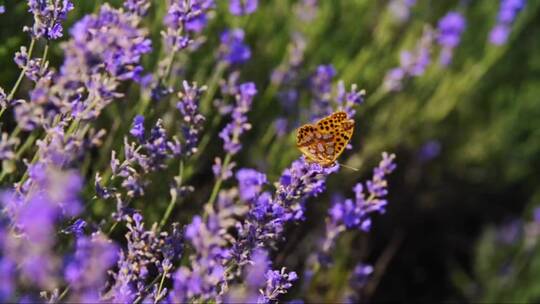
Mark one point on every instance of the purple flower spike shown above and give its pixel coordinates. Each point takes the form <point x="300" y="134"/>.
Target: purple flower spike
<point x="233" y="50"/>
<point x="412" y="64"/>
<point x="243" y="7"/>
<point x="232" y="131"/>
<point x="249" y="183"/>
<point x="321" y="88"/>
<point x="183" y="19"/>
<point x="48" y="17"/>
<point x="137" y="129"/>
<point x="451" y="26"/>
<point x="508" y="12"/>
<point x="193" y="119"/>
<point x="356" y="213"/>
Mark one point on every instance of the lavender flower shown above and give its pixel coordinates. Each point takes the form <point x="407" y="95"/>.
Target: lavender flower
<point x="268" y="214"/>
<point x="32" y="67"/>
<point x="2" y="9"/>
<point x="147" y="251"/>
<point x="232" y="49"/>
<point x="48" y="17"/>
<point x="249" y="183"/>
<point x="233" y="130"/>
<point x="321" y="88"/>
<point x="450" y="27"/>
<point x="357" y="281"/>
<point x="507" y="14"/>
<point x="348" y="100"/>
<point x="183" y="19"/>
<point x="137" y="129"/>
<point x="429" y="150"/>
<point x="412" y="64"/>
<point x="48" y="196"/>
<point x="203" y="279"/>
<point x="263" y="285"/>
<point x="193" y="120"/>
<point x="3" y="99"/>
<point x="221" y="172"/>
<point x="137" y="7"/>
<point x="243" y="7"/>
<point x="306" y="10"/>
<point x="277" y="283"/>
<point x="7" y="147"/>
<point x="355" y="214"/>
<point x="401" y="9"/>
<point x="88" y="268"/>
<point x="7" y="276"/>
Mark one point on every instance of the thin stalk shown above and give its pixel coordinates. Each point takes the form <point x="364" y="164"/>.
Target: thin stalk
<point x="21" y="75"/>
<point x="44" y="57"/>
<point x="173" y="200"/>
<point x="23" y="71"/>
<point x="160" y="285"/>
<point x="212" y="87"/>
<point x="219" y="181"/>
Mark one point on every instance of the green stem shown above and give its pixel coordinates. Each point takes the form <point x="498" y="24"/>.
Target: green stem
<point x="170" y="208"/>
<point x="160" y="286"/>
<point x="63" y="294"/>
<point x="219" y="181"/>
<point x="21" y="75"/>
<point x="212" y="87"/>
<point x="44" y="57"/>
<point x="23" y="71"/>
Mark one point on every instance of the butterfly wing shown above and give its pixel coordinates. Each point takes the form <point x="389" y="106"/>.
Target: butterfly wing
<point x="325" y="141"/>
<point x="316" y="146"/>
<point x="343" y="136"/>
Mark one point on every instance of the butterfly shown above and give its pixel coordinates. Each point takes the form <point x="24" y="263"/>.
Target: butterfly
<point x="324" y="141"/>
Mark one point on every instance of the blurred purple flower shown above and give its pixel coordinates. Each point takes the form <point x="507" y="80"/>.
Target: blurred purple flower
<point x="87" y="270"/>
<point x="220" y="172"/>
<point x="232" y="131"/>
<point x="306" y="10"/>
<point x="48" y="17"/>
<point x="412" y="64"/>
<point x="508" y="11"/>
<point x="321" y="89"/>
<point x="287" y="75"/>
<point x="429" y="150"/>
<point x="499" y="34"/>
<point x="2" y="9"/>
<point x="249" y="183"/>
<point x="232" y="49"/>
<point x="184" y="18"/>
<point x="137" y="128"/>
<point x="203" y="277"/>
<point x="7" y="146"/>
<point x="347" y="101"/>
<point x="193" y="119"/>
<point x="243" y="7"/>
<point x="48" y="196"/>
<point x="277" y="282"/>
<point x="31" y="66"/>
<point x="137" y="7"/>
<point x="355" y="214"/>
<point x="280" y="126"/>
<point x="401" y="9"/>
<point x="450" y="27"/>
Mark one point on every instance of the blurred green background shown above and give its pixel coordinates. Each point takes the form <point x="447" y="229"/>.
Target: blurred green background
<point x="483" y="110"/>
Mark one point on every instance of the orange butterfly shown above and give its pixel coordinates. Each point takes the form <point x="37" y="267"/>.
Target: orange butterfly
<point x="324" y="141"/>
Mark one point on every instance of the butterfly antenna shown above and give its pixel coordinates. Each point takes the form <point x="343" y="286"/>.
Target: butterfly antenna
<point x="348" y="167"/>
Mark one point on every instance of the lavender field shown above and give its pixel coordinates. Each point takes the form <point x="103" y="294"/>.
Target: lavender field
<point x="286" y="151"/>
